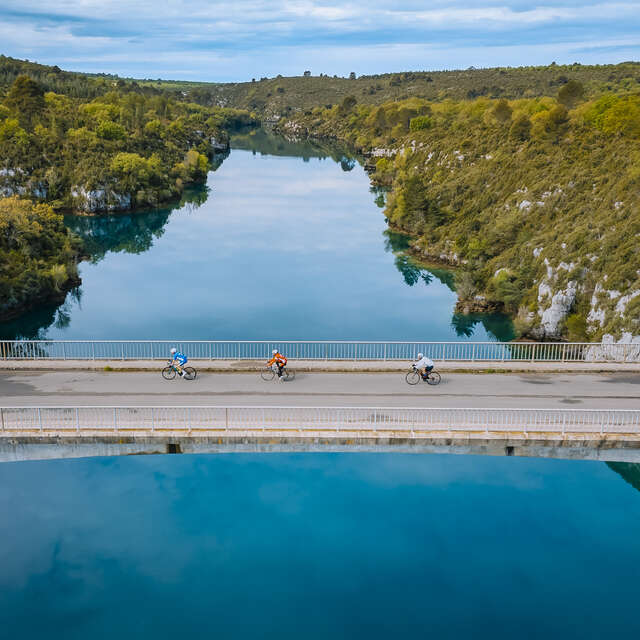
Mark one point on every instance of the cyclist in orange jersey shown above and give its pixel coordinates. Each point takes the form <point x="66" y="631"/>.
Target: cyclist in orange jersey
<point x="279" y="361"/>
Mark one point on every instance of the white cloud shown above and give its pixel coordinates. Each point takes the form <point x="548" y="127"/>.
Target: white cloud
<point x="238" y="40"/>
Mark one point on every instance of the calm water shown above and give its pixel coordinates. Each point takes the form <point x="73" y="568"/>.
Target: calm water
<point x="287" y="243"/>
<point x="319" y="546"/>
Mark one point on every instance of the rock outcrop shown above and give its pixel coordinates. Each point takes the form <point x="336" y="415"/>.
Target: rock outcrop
<point x="98" y="200"/>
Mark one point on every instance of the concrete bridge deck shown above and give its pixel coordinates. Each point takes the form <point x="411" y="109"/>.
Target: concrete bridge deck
<point x="85" y="388"/>
<point x="489" y="433"/>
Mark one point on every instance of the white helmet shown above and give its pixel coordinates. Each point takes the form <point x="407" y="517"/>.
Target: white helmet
<point x="274" y="352"/>
<point x="420" y="355"/>
<point x="173" y="349"/>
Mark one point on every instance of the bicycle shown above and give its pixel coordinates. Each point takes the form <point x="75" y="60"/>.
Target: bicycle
<point x="170" y="372"/>
<point x="269" y="374"/>
<point x="414" y="376"/>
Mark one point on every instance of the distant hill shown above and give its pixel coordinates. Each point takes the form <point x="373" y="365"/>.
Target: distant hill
<point x="278" y="96"/>
<point x="274" y="97"/>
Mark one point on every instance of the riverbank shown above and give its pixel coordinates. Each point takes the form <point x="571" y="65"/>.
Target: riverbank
<point x="514" y="195"/>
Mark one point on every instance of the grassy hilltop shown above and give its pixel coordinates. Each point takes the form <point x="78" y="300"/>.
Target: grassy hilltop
<point x="275" y="97"/>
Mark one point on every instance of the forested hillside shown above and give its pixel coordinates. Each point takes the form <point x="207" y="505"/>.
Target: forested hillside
<point x="535" y="200"/>
<point x="275" y="97"/>
<point x="98" y="144"/>
<point x="38" y="256"/>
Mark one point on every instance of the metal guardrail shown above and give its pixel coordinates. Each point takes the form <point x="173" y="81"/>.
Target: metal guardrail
<point x="309" y="420"/>
<point x="318" y="350"/>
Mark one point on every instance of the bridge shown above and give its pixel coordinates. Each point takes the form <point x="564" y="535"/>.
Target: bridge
<point x="313" y="350"/>
<point x="57" y="401"/>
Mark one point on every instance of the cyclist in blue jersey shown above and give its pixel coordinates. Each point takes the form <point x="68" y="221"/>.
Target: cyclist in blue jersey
<point x="178" y="360"/>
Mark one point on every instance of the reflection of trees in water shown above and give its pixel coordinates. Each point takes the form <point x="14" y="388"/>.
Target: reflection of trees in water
<point x="496" y="324"/>
<point x="129" y="232"/>
<point x="217" y="159"/>
<point x="347" y="164"/>
<point x="34" y="325"/>
<point x="629" y="471"/>
<point x="380" y="193"/>
<point x="117" y="233"/>
<point x="267" y="143"/>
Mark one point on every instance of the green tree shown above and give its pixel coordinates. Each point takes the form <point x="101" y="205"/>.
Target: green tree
<point x="571" y="94"/>
<point x="520" y="128"/>
<point x="25" y="99"/>
<point x="502" y="111"/>
<point x="347" y="105"/>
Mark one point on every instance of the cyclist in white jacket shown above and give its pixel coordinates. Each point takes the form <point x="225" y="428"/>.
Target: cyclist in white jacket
<point x="424" y="365"/>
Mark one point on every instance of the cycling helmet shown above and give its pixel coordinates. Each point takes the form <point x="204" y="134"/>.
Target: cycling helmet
<point x="173" y="349"/>
<point x="274" y="352"/>
<point x="420" y="355"/>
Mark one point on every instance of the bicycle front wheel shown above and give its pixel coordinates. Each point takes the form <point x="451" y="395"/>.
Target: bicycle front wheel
<point x="168" y="373"/>
<point x="267" y="374"/>
<point x="289" y="374"/>
<point x="413" y="377"/>
<point x="434" y="378"/>
<point x="189" y="373"/>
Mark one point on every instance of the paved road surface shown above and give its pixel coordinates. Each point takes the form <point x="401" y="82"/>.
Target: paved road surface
<point x="77" y="388"/>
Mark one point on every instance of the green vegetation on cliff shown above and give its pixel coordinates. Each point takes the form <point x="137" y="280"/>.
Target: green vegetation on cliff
<point x="118" y="151"/>
<point x="537" y="200"/>
<point x="38" y="256"/>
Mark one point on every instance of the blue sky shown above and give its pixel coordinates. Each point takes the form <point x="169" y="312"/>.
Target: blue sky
<point x="235" y="41"/>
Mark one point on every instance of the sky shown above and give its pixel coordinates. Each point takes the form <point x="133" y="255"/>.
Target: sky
<point x="236" y="41"/>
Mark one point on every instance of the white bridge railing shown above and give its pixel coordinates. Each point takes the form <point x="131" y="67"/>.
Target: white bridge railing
<point x="318" y="350"/>
<point x="39" y="421"/>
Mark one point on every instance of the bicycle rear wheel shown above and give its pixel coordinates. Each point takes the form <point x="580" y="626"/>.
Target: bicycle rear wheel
<point x="189" y="373"/>
<point x="168" y="373"/>
<point x="267" y="374"/>
<point x="434" y="378"/>
<point x="289" y="374"/>
<point x="413" y="377"/>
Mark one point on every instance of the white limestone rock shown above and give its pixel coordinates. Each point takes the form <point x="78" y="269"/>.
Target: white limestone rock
<point x="627" y="349"/>
<point x="97" y="200"/>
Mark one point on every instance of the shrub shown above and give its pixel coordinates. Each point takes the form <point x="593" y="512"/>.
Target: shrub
<point x="420" y="122"/>
<point x="520" y="128"/>
<point x="571" y="94"/>
<point x="502" y="111"/>
<point x="108" y="130"/>
<point x="576" y="325"/>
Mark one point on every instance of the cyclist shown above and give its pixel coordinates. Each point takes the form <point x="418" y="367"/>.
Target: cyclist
<point x="424" y="366"/>
<point x="279" y="361"/>
<point x="178" y="360"/>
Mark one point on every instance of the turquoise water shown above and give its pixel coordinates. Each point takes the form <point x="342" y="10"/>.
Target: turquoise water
<point x="318" y="545"/>
<point x="287" y="242"/>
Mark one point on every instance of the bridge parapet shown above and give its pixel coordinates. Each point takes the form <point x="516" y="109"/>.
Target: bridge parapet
<point x="311" y="421"/>
<point x="320" y="350"/>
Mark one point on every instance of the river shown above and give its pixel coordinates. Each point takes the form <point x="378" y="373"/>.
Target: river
<point x="286" y="242"/>
<point x="290" y="546"/>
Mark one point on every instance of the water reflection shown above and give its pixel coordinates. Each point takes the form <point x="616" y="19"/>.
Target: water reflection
<point x="318" y="546"/>
<point x="264" y="141"/>
<point x="495" y="324"/>
<point x="269" y="227"/>
<point x="629" y="471"/>
<point x="34" y="325"/>
<point x="129" y="233"/>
